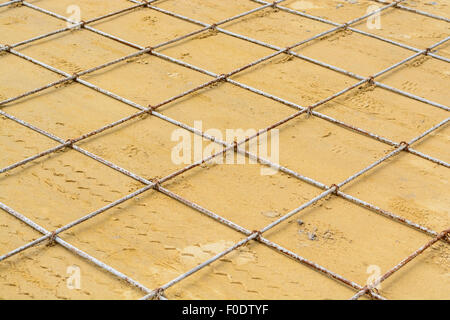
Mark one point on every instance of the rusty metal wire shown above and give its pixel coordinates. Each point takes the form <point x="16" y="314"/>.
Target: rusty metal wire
<point x="71" y="248"/>
<point x="369" y="288"/>
<point x="396" y="43"/>
<point x="255" y="235"/>
<point x="9" y="3"/>
<point x="225" y="77"/>
<point x="283" y="50"/>
<point x="427" y="14"/>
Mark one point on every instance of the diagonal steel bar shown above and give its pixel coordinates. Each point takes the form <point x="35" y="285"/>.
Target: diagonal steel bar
<point x="127" y="174"/>
<point x="430" y="131"/>
<point x="145" y="50"/>
<point x="72" y="249"/>
<point x="369" y="288"/>
<point x="124" y="171"/>
<point x="371" y="35"/>
<point x="427" y="14"/>
<point x="345" y="196"/>
<point x="257" y="234"/>
<point x="84" y="25"/>
<point x="75" y="25"/>
<point x="149" y="185"/>
<point x="9" y="3"/>
<point x="261" y="239"/>
<point x="254" y="235"/>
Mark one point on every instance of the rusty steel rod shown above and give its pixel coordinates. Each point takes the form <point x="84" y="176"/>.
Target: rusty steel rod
<point x="261" y="239"/>
<point x="124" y="171"/>
<point x="9" y="3"/>
<point x="371" y="35"/>
<point x="368" y="288"/>
<point x="218" y="78"/>
<point x="257" y="234"/>
<point x="357" y="19"/>
<point x="334" y="189"/>
<point x="152" y="185"/>
<point x="71" y="248"/>
<point x="84" y="24"/>
<point x="424" y="13"/>
<point x="146" y="50"/>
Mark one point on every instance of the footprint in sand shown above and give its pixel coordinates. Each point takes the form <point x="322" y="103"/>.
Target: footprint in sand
<point x="192" y="255"/>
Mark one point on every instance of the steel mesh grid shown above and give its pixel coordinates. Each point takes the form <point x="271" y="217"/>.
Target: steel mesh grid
<point x="251" y="235"/>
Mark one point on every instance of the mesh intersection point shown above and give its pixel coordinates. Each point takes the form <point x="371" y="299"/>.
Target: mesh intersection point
<point x="283" y="27"/>
<point x="145" y="146"/>
<point x="145" y="27"/>
<point x="104" y="207"/>
<point x="227" y="107"/>
<point x="13" y="82"/>
<point x="423" y="76"/>
<point x="201" y="51"/>
<point x="414" y="196"/>
<point x="384" y="113"/>
<point x="277" y="77"/>
<point x="252" y="208"/>
<point x="427" y="32"/>
<point x="63" y="110"/>
<point x="161" y="78"/>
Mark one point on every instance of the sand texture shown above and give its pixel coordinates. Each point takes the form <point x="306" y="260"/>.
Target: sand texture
<point x="153" y="238"/>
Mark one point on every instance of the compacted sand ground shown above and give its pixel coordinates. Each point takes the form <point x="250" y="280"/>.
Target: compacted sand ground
<point x="154" y="238"/>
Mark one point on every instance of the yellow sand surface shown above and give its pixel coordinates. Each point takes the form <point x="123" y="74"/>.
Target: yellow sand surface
<point x="153" y="238"/>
